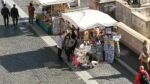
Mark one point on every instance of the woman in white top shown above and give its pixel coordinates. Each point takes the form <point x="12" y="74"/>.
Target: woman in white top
<point x="145" y="54"/>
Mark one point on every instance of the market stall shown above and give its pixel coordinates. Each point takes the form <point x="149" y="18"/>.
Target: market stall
<point x="99" y="35"/>
<point x="49" y="12"/>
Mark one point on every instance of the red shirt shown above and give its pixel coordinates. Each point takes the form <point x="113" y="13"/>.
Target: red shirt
<point x="31" y="10"/>
<point x="138" y="77"/>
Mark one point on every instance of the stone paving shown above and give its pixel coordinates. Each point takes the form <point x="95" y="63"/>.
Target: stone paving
<point x="29" y="61"/>
<point x="127" y="56"/>
<point x="106" y="73"/>
<point x="26" y="59"/>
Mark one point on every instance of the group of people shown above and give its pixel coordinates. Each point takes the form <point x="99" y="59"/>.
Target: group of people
<point x="100" y="43"/>
<point x="31" y="11"/>
<point x="14" y="13"/>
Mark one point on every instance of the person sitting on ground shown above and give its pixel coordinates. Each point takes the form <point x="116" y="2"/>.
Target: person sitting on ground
<point x="138" y="76"/>
<point x="145" y="56"/>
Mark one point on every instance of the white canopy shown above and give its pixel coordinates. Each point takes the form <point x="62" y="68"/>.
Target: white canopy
<point x="106" y="1"/>
<point x="87" y="19"/>
<point x="52" y="2"/>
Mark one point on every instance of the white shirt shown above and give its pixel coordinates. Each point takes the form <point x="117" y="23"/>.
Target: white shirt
<point x="59" y="41"/>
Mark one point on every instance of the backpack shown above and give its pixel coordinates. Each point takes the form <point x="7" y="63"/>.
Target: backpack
<point x="144" y="79"/>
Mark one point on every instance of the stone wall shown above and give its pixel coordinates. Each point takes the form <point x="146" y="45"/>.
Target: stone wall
<point x="142" y="24"/>
<point x="131" y="38"/>
<point x="123" y="13"/>
<point x="93" y="4"/>
<point x="136" y="18"/>
<point x="143" y="2"/>
<point x="144" y="11"/>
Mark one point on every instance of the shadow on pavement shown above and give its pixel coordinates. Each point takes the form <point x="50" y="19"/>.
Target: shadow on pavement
<point x="108" y="77"/>
<point x="23" y="28"/>
<point x="129" y="57"/>
<point x="123" y="73"/>
<point x="31" y="60"/>
<point x="9" y="31"/>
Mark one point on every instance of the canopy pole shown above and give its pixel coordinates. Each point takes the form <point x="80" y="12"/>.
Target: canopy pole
<point x="51" y="16"/>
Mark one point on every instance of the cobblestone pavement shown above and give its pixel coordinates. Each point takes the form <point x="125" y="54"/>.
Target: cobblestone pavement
<point x="25" y="59"/>
<point x="127" y="55"/>
<point x="104" y="73"/>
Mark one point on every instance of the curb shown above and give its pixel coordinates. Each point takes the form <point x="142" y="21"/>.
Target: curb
<point x="131" y="70"/>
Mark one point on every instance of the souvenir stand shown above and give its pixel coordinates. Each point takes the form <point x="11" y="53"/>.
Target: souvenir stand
<point x="48" y="13"/>
<point x="91" y="21"/>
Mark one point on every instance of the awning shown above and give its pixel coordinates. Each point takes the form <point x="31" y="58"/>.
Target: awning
<point x="52" y="2"/>
<point x="106" y="1"/>
<point x="87" y="19"/>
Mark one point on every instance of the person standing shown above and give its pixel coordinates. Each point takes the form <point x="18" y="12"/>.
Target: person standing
<point x="68" y="44"/>
<point x="59" y="41"/>
<point x="5" y="13"/>
<point x="31" y="10"/>
<point x="74" y="37"/>
<point x="138" y="77"/>
<point x="14" y="15"/>
<point x="145" y="54"/>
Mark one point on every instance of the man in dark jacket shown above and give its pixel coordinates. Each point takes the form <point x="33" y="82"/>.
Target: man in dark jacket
<point x="14" y="14"/>
<point x="5" y="13"/>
